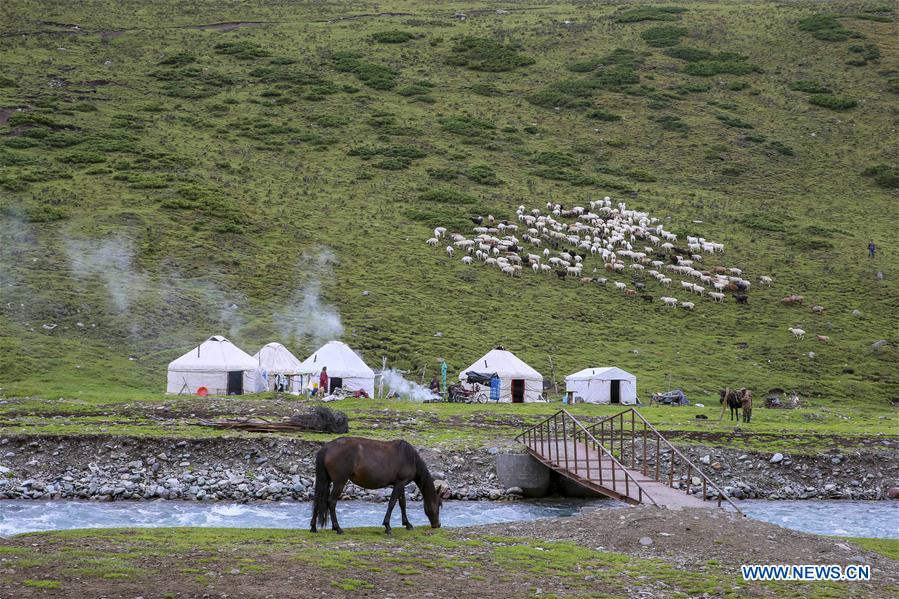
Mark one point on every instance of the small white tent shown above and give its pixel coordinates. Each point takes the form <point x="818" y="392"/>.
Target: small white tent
<point x="519" y="382"/>
<point x="346" y="369"/>
<point x="274" y="359"/>
<point x="602" y="385"/>
<point x="216" y="364"/>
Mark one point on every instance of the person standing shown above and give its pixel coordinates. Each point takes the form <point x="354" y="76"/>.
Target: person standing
<point x="323" y="381"/>
<point x="746" y="404"/>
<point x="871" y="249"/>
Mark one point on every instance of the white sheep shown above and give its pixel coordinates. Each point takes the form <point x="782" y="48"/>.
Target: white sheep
<point x="766" y="280"/>
<point x="687" y="305"/>
<point x="718" y="297"/>
<point x="797" y="332"/>
<point x="449" y="251"/>
<point x="467" y="260"/>
<point x="669" y="301"/>
<point x="439" y="232"/>
<point x="433" y="241"/>
<point x="620" y="286"/>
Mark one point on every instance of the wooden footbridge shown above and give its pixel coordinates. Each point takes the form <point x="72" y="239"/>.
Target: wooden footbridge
<point x="622" y="456"/>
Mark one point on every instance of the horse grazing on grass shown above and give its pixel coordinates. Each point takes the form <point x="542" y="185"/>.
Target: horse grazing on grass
<point x="371" y="464"/>
<point x="734" y="402"/>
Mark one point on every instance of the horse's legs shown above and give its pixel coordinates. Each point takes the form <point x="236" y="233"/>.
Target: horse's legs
<point x="397" y="489"/>
<point x="336" y="490"/>
<point x="406" y="522"/>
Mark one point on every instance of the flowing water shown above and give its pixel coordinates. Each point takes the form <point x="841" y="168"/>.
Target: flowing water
<point x="842" y="518"/>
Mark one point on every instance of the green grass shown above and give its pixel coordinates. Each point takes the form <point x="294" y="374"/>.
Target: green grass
<point x="364" y="559"/>
<point x="216" y="168"/>
<point x="886" y="547"/>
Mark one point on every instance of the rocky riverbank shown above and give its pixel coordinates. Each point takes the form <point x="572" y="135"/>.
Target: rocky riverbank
<point x="282" y="469"/>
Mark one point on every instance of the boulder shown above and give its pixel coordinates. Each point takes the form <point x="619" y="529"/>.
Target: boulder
<point x="893" y="493"/>
<point x="777" y="458"/>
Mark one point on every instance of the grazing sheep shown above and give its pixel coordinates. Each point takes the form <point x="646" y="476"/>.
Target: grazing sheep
<point x="671" y="302"/>
<point x="439" y="232"/>
<point x="536" y="267"/>
<point x="741" y="298"/>
<point x="449" y="251"/>
<point x="630" y="293"/>
<point x="765" y="280"/>
<point x="600" y="280"/>
<point x="823" y="338"/>
<point x="687" y="305"/>
<point x="792" y="300"/>
<point x="433" y="241"/>
<point x="818" y="309"/>
<point x="620" y="286"/>
<point x="798" y="333"/>
<point x="646" y="298"/>
<point x="718" y="297"/>
<point x="467" y="260"/>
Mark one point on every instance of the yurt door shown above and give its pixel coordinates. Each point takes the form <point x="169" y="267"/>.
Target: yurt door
<point x="336" y="383"/>
<point x="235" y="382"/>
<point x="517" y="390"/>
<point x="615" y="395"/>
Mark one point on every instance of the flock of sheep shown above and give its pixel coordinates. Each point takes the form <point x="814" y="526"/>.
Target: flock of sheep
<point x="624" y="240"/>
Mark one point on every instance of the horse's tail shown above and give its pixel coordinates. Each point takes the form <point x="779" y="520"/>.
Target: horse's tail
<point x="322" y="491"/>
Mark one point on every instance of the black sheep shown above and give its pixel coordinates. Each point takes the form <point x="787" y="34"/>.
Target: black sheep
<point x="741" y="298"/>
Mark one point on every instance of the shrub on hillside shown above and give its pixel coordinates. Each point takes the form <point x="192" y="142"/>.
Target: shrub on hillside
<point x="689" y="54"/>
<point x="832" y="102"/>
<point x="179" y="59"/>
<point x="672" y="123"/>
<point x="482" y="174"/>
<point x="883" y="175"/>
<point x="601" y="114"/>
<point x="392" y="37"/>
<point x="709" y="68"/>
<point x="555" y="159"/>
<point x="732" y="121"/>
<point x="375" y="76"/>
<point x="809" y="87"/>
<point x="243" y="49"/>
<point x="466" y="126"/>
<point x="486" y="54"/>
<point x="485" y="89"/>
<point x="663" y="35"/>
<point x="7" y="81"/>
<point x="826" y="27"/>
<point x="446" y="196"/>
<point x="650" y="13"/>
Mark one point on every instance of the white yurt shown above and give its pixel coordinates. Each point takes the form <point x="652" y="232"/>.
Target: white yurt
<point x="217" y="365"/>
<point x="519" y="383"/>
<point x="602" y="385"/>
<point x="346" y="369"/>
<point x="276" y="364"/>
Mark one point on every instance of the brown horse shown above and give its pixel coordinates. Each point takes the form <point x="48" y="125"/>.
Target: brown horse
<point x="734" y="402"/>
<point x="371" y="464"/>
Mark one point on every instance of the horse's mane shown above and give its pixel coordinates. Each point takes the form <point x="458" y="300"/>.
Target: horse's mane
<point x="422" y="474"/>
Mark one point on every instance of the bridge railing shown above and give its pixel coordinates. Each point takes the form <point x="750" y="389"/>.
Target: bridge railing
<point x="636" y="442"/>
<point x="564" y="442"/>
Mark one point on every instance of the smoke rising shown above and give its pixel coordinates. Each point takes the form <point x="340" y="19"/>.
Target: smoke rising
<point x="112" y="261"/>
<point x="395" y="383"/>
<point x="306" y="316"/>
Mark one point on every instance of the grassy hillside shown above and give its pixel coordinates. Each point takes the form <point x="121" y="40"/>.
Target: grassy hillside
<point x="164" y="177"/>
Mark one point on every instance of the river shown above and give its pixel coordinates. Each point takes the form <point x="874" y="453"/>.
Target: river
<point x="841" y="518"/>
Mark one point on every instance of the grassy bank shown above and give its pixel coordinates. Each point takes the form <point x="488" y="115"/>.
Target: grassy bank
<point x="253" y="562"/>
<point x="448" y="426"/>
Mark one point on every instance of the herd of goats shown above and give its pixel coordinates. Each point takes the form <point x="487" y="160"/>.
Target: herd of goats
<point x="624" y="239"/>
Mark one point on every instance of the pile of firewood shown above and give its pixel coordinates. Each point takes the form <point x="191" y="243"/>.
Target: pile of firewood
<point x="318" y="419"/>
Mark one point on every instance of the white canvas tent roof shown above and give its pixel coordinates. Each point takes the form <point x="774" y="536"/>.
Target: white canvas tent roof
<point x="508" y="368"/>
<point x="208" y="365"/>
<point x="594" y="385"/>
<point x="275" y="359"/>
<point x="605" y="373"/>
<point x="505" y="364"/>
<point x="214" y="354"/>
<point x="343" y="363"/>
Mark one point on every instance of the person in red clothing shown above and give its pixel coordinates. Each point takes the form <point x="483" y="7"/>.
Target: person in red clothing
<point x="323" y="381"/>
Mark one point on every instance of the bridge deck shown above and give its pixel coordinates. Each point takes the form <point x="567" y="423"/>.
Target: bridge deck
<point x="583" y="466"/>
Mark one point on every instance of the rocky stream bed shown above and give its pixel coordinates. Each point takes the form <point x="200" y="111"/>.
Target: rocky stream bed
<point x="282" y="469"/>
